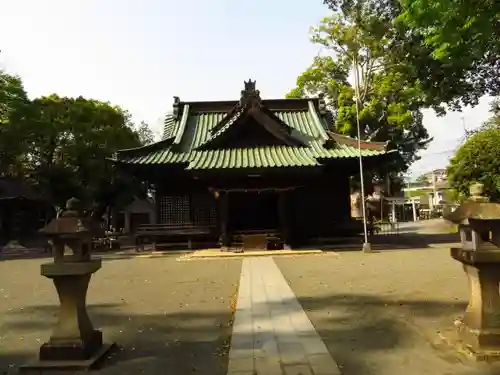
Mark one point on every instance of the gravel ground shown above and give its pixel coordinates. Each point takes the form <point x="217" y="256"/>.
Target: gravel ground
<point x="167" y="316"/>
<point x="379" y="313"/>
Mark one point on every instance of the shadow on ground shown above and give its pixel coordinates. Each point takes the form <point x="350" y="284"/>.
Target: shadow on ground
<point x="355" y="328"/>
<point x="181" y="343"/>
<point x="370" y="335"/>
<point x="401" y="241"/>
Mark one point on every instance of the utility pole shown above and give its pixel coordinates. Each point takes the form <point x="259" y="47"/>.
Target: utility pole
<point x="434" y="190"/>
<point x="367" y="248"/>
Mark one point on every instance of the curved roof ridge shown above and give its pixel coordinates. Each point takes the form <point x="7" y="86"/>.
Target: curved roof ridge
<point x="316" y="121"/>
<point x="170" y="125"/>
<point x="349" y="141"/>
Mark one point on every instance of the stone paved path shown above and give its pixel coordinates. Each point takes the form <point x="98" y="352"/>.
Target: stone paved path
<point x="272" y="334"/>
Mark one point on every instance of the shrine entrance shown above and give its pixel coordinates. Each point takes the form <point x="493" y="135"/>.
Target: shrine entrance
<point x="253" y="211"/>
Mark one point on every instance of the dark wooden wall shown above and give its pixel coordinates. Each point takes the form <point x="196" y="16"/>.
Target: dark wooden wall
<point x="319" y="201"/>
<point x="253" y="211"/>
<point x="184" y="201"/>
<point x="316" y="210"/>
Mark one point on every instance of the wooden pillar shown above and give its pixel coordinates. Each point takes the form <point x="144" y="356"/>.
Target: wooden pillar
<point x="223" y="219"/>
<point x="283" y="217"/>
<point x="414" y="209"/>
<point x="126" y="225"/>
<point x="158" y="199"/>
<point x="393" y="212"/>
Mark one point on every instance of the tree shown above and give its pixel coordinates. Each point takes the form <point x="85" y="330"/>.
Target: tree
<point x="478" y="160"/>
<point x="422" y="179"/>
<point x="146" y="135"/>
<point x="468" y="30"/>
<point x="389" y="103"/>
<point x="13" y="106"/>
<point x="70" y="141"/>
<point x="464" y="35"/>
<point x="449" y="52"/>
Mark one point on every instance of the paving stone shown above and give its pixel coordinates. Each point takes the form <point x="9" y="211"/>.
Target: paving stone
<point x="268" y="366"/>
<point x="244" y="303"/>
<point x="237" y="365"/>
<point x="323" y="364"/>
<point x="272" y="326"/>
<point x="313" y="345"/>
<point x="297" y="370"/>
<point x="242" y="342"/>
<point x="301" y="322"/>
<point x="240" y="353"/>
<point x="291" y="352"/>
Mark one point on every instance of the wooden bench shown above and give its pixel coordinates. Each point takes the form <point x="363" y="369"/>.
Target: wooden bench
<point x="156" y="231"/>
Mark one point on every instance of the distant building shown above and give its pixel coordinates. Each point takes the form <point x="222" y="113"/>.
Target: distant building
<point x="437" y="175"/>
<point x="431" y="187"/>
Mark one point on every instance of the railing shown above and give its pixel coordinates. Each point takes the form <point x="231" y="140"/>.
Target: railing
<point x="385" y="228"/>
<point x="154" y="232"/>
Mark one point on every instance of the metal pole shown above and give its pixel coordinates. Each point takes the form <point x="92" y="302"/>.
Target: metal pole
<point x="366" y="245"/>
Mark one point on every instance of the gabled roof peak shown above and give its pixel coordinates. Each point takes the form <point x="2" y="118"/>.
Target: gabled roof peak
<point x="249" y="95"/>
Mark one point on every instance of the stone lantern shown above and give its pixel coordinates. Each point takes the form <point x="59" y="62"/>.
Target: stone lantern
<point x="74" y="343"/>
<point x="479" y="227"/>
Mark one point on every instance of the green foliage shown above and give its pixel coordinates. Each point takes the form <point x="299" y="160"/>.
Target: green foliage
<point x="63" y="145"/>
<point x="452" y="196"/>
<point x="477" y="160"/>
<point x="13" y="106"/>
<point x="70" y="140"/>
<point x="453" y="27"/>
<point x="464" y="36"/>
<point x="451" y="53"/>
<point x="146" y="135"/>
<point x="389" y="103"/>
<point x="422" y="179"/>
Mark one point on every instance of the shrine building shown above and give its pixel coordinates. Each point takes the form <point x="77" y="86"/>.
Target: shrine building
<point x="227" y="169"/>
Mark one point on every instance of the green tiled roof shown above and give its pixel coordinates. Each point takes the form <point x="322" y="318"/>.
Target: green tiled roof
<point x="194" y="127"/>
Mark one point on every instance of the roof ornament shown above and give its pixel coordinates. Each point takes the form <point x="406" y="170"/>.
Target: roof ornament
<point x="322" y="104"/>
<point x="176" y="105"/>
<point x="250" y="96"/>
<point x="250" y="85"/>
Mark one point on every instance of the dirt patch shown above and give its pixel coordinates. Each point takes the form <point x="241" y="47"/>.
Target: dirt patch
<point x="380" y="313"/>
<point x="163" y="314"/>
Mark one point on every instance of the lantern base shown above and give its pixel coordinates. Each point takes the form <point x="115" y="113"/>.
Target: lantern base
<point x="453" y="340"/>
<point x="77" y="350"/>
<point x="90" y="363"/>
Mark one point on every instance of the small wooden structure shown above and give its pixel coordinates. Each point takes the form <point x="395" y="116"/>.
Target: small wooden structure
<point x="139" y="212"/>
<point x="22" y="210"/>
<point x="252" y="167"/>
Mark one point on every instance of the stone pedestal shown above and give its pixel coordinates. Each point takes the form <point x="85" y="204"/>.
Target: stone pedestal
<point x="478" y="331"/>
<point x="74" y="343"/>
<point x="74" y="337"/>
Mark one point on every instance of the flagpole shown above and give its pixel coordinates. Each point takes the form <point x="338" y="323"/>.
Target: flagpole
<point x="367" y="248"/>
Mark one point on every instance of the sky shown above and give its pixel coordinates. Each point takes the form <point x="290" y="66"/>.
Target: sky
<point x="138" y="54"/>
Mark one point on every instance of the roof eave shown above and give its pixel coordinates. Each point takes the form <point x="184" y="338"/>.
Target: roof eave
<point x="353" y="142"/>
<point x="380" y="154"/>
